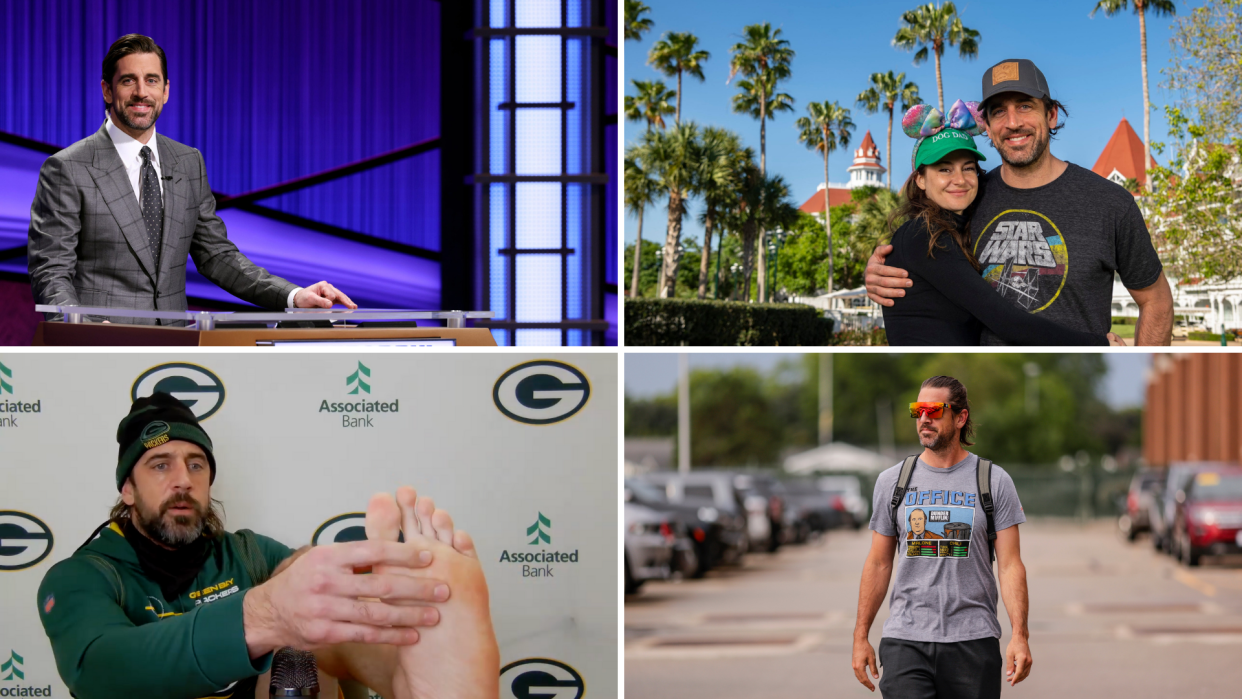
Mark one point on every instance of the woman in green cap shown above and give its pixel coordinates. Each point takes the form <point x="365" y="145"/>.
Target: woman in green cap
<point x="955" y="303"/>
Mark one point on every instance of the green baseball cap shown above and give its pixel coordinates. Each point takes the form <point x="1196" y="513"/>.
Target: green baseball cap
<point x="932" y="148"/>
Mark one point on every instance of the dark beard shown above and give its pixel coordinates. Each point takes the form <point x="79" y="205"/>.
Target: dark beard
<point x="1039" y="145"/>
<point x="938" y="444"/>
<point x="156" y="110"/>
<point x="182" y="530"/>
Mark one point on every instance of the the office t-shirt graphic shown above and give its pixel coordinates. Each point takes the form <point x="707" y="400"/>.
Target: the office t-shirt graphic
<point x="939" y="523"/>
<point x="1024" y="257"/>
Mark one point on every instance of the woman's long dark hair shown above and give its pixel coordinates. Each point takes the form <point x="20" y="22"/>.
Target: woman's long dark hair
<point x="918" y="205"/>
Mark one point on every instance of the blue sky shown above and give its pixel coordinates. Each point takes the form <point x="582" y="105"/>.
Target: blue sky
<point x="648" y="373"/>
<point x="1092" y="65"/>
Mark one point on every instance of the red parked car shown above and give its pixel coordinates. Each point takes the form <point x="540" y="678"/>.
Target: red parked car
<point x="1208" y="519"/>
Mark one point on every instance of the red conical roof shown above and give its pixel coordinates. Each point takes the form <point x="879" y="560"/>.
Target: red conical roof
<point x="1123" y="154"/>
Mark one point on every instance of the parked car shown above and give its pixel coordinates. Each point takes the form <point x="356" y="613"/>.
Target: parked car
<point x="713" y="496"/>
<point x="1208" y="517"/>
<point x="703" y="545"/>
<point x="819" y="509"/>
<point x="856" y="511"/>
<point x="1164" y="508"/>
<point x="648" y="546"/>
<point x="1145" y="489"/>
<point x="764" y="496"/>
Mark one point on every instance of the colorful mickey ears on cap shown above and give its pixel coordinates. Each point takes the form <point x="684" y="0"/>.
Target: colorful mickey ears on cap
<point x="923" y="120"/>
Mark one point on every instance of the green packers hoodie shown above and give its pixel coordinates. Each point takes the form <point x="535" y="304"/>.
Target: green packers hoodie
<point x="115" y="636"/>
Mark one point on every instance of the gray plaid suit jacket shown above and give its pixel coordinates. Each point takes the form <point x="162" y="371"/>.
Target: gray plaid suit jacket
<point x="88" y="246"/>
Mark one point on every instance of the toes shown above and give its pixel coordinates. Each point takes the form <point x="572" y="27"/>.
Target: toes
<point x="425" y="509"/>
<point x="443" y="524"/>
<point x="464" y="544"/>
<point x="383" y="521"/>
<point x="407" y="497"/>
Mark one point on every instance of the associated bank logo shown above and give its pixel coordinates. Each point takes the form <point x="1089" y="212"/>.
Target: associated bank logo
<point x="359" y="413"/>
<point x="191" y="384"/>
<point x="541" y="392"/>
<point x="537" y="530"/>
<point x="5" y="373"/>
<point x="351" y="526"/>
<point x="540" y="678"/>
<point x="538" y="564"/>
<point x="24" y="540"/>
<point x="356" y="378"/>
<point x="12" y="668"/>
<point x="13" y="410"/>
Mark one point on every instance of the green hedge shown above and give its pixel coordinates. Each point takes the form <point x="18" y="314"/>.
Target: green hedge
<point x="1124" y="320"/>
<point x="1210" y="337"/>
<point x="675" y="322"/>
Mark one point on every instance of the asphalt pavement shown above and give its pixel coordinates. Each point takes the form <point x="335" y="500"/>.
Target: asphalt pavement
<point x="1108" y="619"/>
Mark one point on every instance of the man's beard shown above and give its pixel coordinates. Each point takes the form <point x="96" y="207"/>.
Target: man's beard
<point x="1039" y="145"/>
<point x="121" y="116"/>
<point x="175" y="531"/>
<point x="938" y="444"/>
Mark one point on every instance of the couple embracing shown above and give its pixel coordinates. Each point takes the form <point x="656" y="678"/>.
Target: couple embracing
<point x="1025" y="254"/>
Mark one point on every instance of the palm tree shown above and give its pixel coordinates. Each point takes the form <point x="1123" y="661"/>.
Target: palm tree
<point x="886" y="89"/>
<point x="720" y="161"/>
<point x="1159" y="7"/>
<point x="828" y="126"/>
<point x="675" y="54"/>
<point x="672" y="156"/>
<point x="935" y="27"/>
<point x="763" y="58"/>
<point x="635" y="23"/>
<point x="650" y="104"/>
<point x="641" y="190"/>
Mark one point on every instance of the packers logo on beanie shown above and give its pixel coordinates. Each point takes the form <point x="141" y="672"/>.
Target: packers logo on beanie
<point x="152" y="421"/>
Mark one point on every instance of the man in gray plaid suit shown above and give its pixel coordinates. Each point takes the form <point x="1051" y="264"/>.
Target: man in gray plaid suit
<point x="116" y="214"/>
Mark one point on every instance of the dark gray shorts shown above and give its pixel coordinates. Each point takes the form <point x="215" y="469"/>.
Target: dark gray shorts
<point x="962" y="670"/>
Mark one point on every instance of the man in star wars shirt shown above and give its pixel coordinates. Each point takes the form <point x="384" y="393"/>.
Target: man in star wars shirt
<point x="942" y="637"/>
<point x="1049" y="235"/>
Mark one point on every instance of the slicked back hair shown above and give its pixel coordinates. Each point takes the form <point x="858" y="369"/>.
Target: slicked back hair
<point x="957" y="401"/>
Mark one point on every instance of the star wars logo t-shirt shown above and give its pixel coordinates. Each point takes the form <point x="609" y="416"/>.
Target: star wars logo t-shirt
<point x="944" y="590"/>
<point x="1054" y="249"/>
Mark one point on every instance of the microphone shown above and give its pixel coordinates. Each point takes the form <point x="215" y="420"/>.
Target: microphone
<point x="294" y="674"/>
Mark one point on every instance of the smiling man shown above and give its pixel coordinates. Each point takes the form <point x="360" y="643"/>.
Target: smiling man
<point x="116" y="214"/>
<point x="1051" y="236"/>
<point x="166" y="603"/>
<point x="942" y="636"/>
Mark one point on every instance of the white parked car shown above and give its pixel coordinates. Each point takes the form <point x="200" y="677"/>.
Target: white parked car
<point x="649" y="542"/>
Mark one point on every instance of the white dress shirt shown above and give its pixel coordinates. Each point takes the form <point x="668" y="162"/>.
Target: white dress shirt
<point x="130" y="150"/>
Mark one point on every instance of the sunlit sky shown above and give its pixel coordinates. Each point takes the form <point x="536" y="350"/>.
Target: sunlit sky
<point x="1092" y="65"/>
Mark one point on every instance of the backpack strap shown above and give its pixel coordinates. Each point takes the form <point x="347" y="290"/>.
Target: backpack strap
<point x="899" y="490"/>
<point x="252" y="556"/>
<point x="984" y="473"/>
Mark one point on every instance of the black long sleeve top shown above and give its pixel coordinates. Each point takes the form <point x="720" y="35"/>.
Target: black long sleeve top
<point x="950" y="303"/>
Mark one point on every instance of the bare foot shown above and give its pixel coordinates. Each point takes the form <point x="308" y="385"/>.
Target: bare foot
<point x="459" y="657"/>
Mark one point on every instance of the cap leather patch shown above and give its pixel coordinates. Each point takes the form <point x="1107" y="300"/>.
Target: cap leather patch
<point x="1004" y="72"/>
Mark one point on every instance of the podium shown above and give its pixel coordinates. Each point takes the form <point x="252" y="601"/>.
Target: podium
<point x="262" y="329"/>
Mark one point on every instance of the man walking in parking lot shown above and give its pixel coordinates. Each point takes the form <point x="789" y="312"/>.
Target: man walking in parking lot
<point x="942" y="637"/>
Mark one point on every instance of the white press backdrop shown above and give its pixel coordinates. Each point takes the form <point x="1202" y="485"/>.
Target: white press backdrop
<point x="285" y="468"/>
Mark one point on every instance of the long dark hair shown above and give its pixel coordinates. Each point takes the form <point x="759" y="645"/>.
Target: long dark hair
<point x="917" y="205"/>
<point x="957" y="401"/>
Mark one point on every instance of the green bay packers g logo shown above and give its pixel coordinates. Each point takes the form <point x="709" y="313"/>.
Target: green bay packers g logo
<point x="154" y="434"/>
<point x="540" y="677"/>
<point x="541" y="392"/>
<point x="24" y="540"/>
<point x="191" y="384"/>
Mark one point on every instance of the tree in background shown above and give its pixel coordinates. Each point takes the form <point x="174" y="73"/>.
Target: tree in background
<point x="1205" y="71"/>
<point x="635" y="24"/>
<point x="885" y="91"/>
<point x="649" y="261"/>
<point x="672" y="157"/>
<point x="827" y="127"/>
<point x="641" y="191"/>
<point x="804" y="269"/>
<point x="721" y="158"/>
<point x="651" y="104"/>
<point x="763" y="58"/>
<point x="1157" y="7"/>
<point x="676" y="54"/>
<point x="934" y="27"/>
<point x="874" y="209"/>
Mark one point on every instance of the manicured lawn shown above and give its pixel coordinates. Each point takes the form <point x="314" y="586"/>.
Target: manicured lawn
<point x="1124" y="330"/>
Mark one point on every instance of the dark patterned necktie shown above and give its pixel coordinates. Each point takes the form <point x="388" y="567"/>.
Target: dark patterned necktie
<point x="152" y="205"/>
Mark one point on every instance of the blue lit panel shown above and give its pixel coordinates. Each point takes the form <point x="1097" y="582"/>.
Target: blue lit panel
<point x="539" y="13"/>
<point x="539" y="283"/>
<point x="539" y="216"/>
<point x="498" y="281"/>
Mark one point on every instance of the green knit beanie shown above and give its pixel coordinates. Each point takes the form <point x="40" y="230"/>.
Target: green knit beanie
<point x="152" y="421"/>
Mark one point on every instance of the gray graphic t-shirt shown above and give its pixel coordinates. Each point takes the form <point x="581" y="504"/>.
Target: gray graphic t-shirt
<point x="944" y="590"/>
<point x="1054" y="250"/>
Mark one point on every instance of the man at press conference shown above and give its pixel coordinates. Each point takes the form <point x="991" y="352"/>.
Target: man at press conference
<point x="116" y="214"/>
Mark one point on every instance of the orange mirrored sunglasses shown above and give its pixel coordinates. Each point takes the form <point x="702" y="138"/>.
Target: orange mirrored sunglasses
<point x="933" y="410"/>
